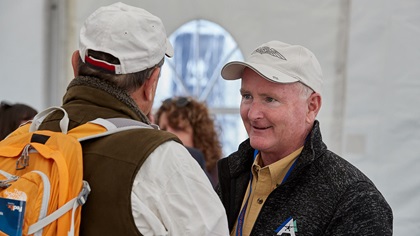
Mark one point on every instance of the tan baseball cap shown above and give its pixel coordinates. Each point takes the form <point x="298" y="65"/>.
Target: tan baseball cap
<point x="280" y="63"/>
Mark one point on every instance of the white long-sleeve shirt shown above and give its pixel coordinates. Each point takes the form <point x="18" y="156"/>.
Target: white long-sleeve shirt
<point x="171" y="195"/>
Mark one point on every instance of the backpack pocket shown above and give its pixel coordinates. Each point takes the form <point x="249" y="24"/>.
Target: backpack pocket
<point x="34" y="188"/>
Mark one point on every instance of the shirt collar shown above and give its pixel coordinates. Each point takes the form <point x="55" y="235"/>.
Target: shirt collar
<point x="276" y="170"/>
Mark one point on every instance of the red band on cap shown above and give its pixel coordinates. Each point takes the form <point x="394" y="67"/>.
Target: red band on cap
<point x="100" y="64"/>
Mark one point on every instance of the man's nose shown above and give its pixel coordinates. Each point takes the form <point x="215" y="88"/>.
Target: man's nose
<point x="255" y="111"/>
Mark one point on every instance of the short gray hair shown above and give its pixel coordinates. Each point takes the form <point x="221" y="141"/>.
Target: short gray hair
<point x="305" y="91"/>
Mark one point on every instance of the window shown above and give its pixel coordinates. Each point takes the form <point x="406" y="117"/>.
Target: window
<point x="202" y="48"/>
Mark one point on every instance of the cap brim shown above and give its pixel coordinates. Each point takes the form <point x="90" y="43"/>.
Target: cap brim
<point x="169" y="49"/>
<point x="233" y="70"/>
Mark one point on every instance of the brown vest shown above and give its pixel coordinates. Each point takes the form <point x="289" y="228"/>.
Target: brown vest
<point x="110" y="166"/>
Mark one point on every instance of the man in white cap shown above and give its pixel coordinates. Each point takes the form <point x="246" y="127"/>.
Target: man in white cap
<point x="143" y="181"/>
<point x="283" y="180"/>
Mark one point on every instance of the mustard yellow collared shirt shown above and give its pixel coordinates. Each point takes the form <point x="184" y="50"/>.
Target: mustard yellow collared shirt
<point x="264" y="181"/>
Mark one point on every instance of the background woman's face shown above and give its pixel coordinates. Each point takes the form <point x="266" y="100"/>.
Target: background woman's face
<point x="185" y="133"/>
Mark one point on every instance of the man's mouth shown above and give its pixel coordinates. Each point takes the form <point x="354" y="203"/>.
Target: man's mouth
<point x="260" y="127"/>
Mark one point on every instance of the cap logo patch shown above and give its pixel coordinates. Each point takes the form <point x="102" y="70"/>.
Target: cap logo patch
<point x="270" y="51"/>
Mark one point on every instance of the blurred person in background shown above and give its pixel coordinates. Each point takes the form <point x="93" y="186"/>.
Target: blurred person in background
<point x="190" y="120"/>
<point x="13" y="115"/>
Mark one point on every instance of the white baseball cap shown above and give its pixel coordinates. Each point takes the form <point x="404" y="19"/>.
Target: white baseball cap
<point x="131" y="34"/>
<point x="280" y="63"/>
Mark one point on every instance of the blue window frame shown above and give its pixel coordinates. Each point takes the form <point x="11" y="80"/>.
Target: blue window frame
<point x="202" y="48"/>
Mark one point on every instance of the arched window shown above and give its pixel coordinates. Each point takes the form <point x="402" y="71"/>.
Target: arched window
<point x="202" y="48"/>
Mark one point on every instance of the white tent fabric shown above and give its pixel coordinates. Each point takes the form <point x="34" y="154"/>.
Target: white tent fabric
<point x="368" y="51"/>
<point x="382" y="121"/>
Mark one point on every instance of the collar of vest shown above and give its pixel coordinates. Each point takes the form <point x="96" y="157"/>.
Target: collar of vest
<point x="111" y="89"/>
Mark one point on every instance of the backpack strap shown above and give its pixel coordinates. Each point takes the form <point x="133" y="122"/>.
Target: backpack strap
<point x="112" y="125"/>
<point x="115" y="125"/>
<point x="37" y="120"/>
<point x="70" y="205"/>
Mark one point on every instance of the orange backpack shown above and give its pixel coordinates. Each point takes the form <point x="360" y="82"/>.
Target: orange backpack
<point x="41" y="175"/>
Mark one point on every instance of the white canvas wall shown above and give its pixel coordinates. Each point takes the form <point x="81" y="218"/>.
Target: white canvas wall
<point x="382" y="121"/>
<point x="368" y="50"/>
<point x="22" y="51"/>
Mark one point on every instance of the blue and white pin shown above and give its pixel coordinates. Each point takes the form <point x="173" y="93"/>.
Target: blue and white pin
<point x="288" y="227"/>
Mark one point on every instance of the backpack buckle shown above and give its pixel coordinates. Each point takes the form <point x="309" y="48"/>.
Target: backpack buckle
<point x="83" y="195"/>
<point x="23" y="160"/>
<point x="6" y="183"/>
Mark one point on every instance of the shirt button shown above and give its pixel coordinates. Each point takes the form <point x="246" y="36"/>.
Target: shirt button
<point x="260" y="201"/>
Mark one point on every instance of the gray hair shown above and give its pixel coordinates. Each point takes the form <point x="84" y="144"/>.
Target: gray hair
<point x="304" y="90"/>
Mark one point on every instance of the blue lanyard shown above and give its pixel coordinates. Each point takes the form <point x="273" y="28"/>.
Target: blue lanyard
<point x="241" y="216"/>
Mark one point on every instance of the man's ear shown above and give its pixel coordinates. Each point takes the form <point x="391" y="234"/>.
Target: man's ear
<point x="314" y="105"/>
<point x="151" y="84"/>
<point x="75" y="62"/>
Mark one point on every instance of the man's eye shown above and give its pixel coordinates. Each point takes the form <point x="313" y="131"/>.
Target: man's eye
<point x="246" y="96"/>
<point x="268" y="99"/>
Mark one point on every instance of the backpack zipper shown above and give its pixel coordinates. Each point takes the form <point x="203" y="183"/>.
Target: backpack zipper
<point x="9" y="178"/>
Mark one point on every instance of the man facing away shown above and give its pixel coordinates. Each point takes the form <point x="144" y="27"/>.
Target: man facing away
<point x="283" y="180"/>
<point x="144" y="182"/>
